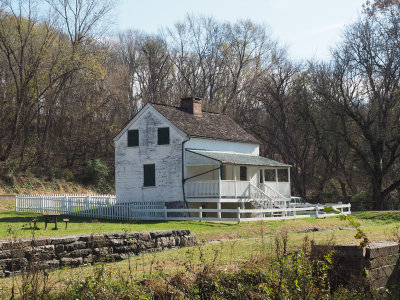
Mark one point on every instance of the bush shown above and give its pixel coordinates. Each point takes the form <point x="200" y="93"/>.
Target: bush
<point x="7" y="171"/>
<point x="361" y="201"/>
<point x="96" y="171"/>
<point x="65" y="174"/>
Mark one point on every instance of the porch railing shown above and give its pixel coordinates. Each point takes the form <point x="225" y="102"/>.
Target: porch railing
<point x="210" y="188"/>
<point x="202" y="188"/>
<point x="279" y="199"/>
<point x="259" y="198"/>
<point x="229" y="188"/>
<point x="276" y="189"/>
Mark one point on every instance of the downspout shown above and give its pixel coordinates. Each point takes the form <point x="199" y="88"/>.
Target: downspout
<point x="183" y="171"/>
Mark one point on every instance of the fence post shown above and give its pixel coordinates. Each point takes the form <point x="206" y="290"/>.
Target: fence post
<point x="87" y="211"/>
<point x="219" y="209"/>
<point x="238" y="214"/>
<point x="165" y="212"/>
<point x="200" y="213"/>
<point x="66" y="205"/>
<point x="294" y="212"/>
<point x="317" y="211"/>
<point x="341" y="207"/>
<point x="16" y="202"/>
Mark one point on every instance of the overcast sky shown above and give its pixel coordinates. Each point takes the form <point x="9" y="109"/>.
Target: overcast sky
<point x="308" y="27"/>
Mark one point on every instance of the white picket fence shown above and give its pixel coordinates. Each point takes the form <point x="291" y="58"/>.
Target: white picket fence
<point x="91" y="206"/>
<point x="106" y="207"/>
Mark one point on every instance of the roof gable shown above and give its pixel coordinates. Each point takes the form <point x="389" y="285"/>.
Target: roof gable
<point x="147" y="107"/>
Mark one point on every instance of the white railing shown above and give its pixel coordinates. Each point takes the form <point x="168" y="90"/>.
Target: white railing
<point x="278" y="199"/>
<point x="210" y="188"/>
<point x="235" y="189"/>
<point x="272" y="187"/>
<point x="202" y="188"/>
<point x="259" y="198"/>
<point x="92" y="206"/>
<point x="105" y="207"/>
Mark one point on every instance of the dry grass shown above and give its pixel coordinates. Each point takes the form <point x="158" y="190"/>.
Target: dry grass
<point x="32" y="185"/>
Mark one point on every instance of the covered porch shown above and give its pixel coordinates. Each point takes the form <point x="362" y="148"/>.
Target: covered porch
<point x="230" y="177"/>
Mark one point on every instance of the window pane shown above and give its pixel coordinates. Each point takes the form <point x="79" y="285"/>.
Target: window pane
<point x="163" y="136"/>
<point x="133" y="138"/>
<point x="283" y="175"/>
<point x="149" y="175"/>
<point x="243" y="173"/>
<point x="269" y="175"/>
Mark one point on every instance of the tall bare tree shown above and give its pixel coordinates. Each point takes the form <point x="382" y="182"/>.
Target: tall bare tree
<point x="362" y="88"/>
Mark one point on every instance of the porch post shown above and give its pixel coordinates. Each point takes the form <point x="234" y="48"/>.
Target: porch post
<point x="234" y="175"/>
<point x="219" y="192"/>
<point x="290" y="189"/>
<point x="276" y="179"/>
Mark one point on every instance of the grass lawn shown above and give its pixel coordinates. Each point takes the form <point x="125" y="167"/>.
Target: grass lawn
<point x="236" y="243"/>
<point x="373" y="223"/>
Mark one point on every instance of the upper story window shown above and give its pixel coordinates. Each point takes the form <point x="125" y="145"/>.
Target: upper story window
<point x="133" y="138"/>
<point x="163" y="136"/>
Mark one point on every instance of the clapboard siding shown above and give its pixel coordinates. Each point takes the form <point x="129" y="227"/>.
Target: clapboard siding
<point x="221" y="145"/>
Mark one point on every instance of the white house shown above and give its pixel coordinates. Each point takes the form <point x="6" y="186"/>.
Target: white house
<point x="184" y="156"/>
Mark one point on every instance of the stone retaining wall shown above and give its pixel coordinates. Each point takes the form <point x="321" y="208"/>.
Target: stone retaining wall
<point x="373" y="267"/>
<point x="53" y="252"/>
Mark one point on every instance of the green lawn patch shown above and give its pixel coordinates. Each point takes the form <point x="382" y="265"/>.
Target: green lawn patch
<point x="381" y="217"/>
<point x="18" y="222"/>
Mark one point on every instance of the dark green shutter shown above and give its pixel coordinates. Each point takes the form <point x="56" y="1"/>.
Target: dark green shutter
<point x="149" y="175"/>
<point x="163" y="136"/>
<point x="133" y="138"/>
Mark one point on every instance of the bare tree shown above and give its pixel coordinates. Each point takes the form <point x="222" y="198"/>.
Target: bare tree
<point x="362" y="89"/>
<point x="80" y="19"/>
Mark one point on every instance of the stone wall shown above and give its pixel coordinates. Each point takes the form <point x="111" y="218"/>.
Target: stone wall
<point x="53" y="252"/>
<point x="371" y="268"/>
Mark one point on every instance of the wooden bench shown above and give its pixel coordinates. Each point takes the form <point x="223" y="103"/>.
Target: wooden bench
<point x="66" y="222"/>
<point x="50" y="218"/>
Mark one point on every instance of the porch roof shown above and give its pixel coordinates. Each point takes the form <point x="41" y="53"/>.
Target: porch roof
<point x="239" y="158"/>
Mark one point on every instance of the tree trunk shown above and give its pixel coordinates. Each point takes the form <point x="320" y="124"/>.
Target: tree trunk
<point x="377" y="197"/>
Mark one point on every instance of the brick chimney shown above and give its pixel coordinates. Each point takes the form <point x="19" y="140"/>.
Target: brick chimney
<point x="192" y="105"/>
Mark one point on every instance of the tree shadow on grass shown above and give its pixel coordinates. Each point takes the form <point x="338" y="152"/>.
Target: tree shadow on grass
<point x="16" y="219"/>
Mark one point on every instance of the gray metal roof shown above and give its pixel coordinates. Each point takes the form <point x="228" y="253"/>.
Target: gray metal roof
<point x="239" y="158"/>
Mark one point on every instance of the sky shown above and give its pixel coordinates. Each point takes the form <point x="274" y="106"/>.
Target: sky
<point x="309" y="28"/>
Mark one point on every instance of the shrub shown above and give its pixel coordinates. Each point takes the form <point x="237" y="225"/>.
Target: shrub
<point x="60" y="173"/>
<point x="96" y="171"/>
<point x="7" y="171"/>
<point x="361" y="201"/>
